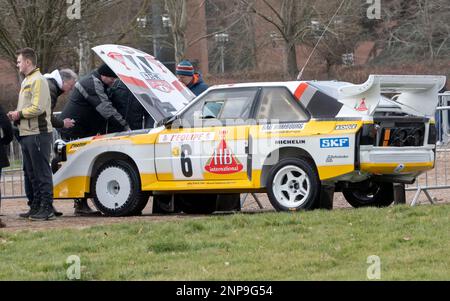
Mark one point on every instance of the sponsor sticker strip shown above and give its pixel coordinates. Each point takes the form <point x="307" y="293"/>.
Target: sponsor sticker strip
<point x="283" y="127"/>
<point x="168" y="138"/>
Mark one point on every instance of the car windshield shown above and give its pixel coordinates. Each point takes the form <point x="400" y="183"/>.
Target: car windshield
<point x="222" y="104"/>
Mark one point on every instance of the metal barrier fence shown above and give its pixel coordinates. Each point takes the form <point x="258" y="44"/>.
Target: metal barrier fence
<point x="12" y="183"/>
<point x="438" y="178"/>
<point x="12" y="179"/>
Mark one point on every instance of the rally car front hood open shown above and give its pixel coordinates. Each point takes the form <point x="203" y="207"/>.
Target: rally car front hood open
<point x="156" y="88"/>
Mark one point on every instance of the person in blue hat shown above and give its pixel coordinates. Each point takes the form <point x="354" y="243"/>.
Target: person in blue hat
<point x="191" y="79"/>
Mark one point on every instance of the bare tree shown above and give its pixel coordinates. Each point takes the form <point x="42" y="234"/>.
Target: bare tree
<point x="335" y="31"/>
<point x="45" y="26"/>
<point x="291" y="19"/>
<point x="416" y="29"/>
<point x="36" y="24"/>
<point x="177" y="10"/>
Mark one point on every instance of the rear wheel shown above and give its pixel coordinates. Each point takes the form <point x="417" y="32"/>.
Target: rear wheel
<point x="293" y="185"/>
<point x="116" y="189"/>
<point x="372" y="195"/>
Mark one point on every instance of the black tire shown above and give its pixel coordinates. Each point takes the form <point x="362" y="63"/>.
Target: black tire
<point x="198" y="203"/>
<point x="142" y="204"/>
<point x="161" y="204"/>
<point x="117" y="191"/>
<point x="280" y="198"/>
<point x="374" y="195"/>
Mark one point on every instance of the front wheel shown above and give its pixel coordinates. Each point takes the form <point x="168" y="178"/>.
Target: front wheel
<point x="117" y="189"/>
<point x="293" y="185"/>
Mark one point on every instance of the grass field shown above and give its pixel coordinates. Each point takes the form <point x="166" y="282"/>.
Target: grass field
<point x="412" y="244"/>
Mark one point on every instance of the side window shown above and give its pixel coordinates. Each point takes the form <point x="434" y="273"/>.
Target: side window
<point x="277" y="103"/>
<point x="229" y="104"/>
<point x="221" y="105"/>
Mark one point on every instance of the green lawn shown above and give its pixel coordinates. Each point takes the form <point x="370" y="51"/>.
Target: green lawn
<point x="412" y="243"/>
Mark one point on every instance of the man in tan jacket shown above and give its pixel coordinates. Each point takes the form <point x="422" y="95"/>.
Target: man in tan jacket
<point x="33" y="118"/>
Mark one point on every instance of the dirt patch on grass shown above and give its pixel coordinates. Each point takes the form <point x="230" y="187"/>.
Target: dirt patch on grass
<point x="11" y="208"/>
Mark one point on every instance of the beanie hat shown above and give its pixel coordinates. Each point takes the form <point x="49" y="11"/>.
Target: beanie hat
<point x="185" y="68"/>
<point x="106" y="71"/>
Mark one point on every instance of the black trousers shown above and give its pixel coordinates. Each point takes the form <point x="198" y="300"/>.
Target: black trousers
<point x="36" y="151"/>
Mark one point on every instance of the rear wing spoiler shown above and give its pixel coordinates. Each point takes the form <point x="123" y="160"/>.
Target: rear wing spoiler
<point x="418" y="93"/>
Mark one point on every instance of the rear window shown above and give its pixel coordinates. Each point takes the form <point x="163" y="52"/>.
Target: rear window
<point x="277" y="103"/>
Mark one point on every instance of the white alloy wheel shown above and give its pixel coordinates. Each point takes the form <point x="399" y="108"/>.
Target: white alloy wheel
<point x="291" y="186"/>
<point x="113" y="187"/>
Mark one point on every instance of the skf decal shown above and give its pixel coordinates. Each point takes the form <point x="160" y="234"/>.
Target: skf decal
<point x="168" y="138"/>
<point x="223" y="161"/>
<point x="346" y="127"/>
<point x="335" y="143"/>
<point x="362" y="106"/>
<point x="283" y="127"/>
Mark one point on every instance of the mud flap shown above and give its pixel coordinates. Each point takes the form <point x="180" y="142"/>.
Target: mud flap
<point x="325" y="201"/>
<point x="399" y="194"/>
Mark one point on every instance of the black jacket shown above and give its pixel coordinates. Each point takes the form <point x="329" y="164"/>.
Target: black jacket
<point x="6" y="138"/>
<point x="90" y="107"/>
<point x="55" y="92"/>
<point x="128" y="106"/>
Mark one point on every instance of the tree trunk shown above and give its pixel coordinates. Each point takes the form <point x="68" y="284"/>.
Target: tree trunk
<point x="179" y="45"/>
<point x="290" y="62"/>
<point x="178" y="16"/>
<point x="84" y="53"/>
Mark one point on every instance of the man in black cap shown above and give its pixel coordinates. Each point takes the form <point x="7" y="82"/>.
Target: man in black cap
<point x="92" y="110"/>
<point x="90" y="107"/>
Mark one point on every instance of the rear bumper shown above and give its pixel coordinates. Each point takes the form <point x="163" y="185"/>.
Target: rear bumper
<point x="397" y="161"/>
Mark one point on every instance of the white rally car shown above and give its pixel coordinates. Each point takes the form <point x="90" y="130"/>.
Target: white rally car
<point x="289" y="139"/>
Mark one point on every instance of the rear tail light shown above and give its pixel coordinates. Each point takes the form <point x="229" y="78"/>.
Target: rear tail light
<point x="432" y="136"/>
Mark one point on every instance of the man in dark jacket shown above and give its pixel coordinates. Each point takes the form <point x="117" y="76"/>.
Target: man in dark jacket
<point x="194" y="81"/>
<point x="5" y="138"/>
<point x="91" y="109"/>
<point x="90" y="106"/>
<point x="129" y="107"/>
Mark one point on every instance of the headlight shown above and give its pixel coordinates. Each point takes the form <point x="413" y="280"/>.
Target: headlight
<point x="58" y="146"/>
<point x="60" y="149"/>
